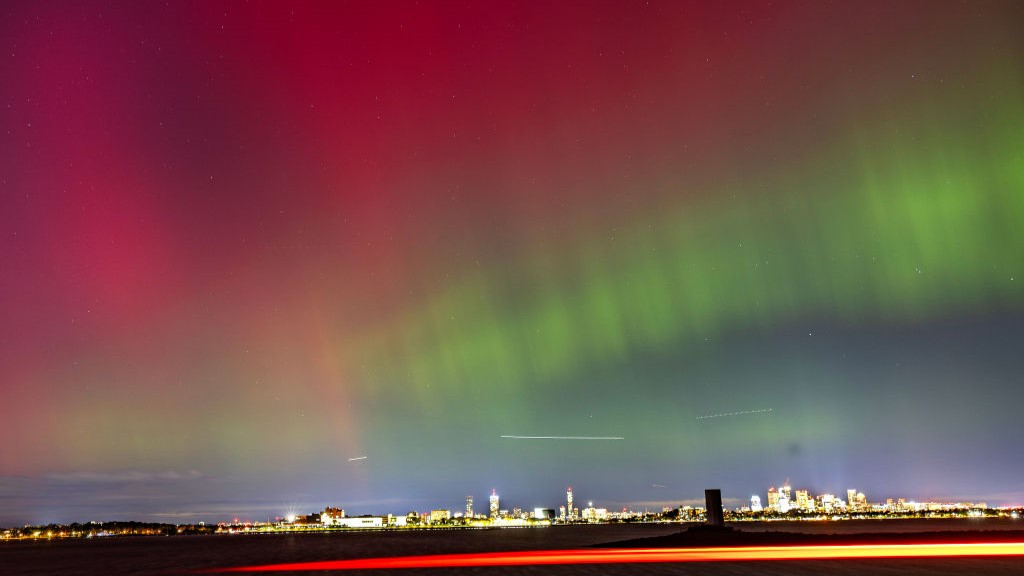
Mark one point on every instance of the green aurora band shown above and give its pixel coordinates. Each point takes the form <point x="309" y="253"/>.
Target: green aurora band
<point x="916" y="219"/>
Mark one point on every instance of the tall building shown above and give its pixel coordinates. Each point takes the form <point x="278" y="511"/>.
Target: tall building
<point x="568" y="499"/>
<point x="786" y="491"/>
<point x="827" y="502"/>
<point x="803" y="501"/>
<point x="495" y="503"/>
<point x="773" y="499"/>
<point x="851" y="499"/>
<point x="469" y="506"/>
<point x="755" y="503"/>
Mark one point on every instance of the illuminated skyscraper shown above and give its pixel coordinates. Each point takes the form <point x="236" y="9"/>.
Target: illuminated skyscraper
<point x="773" y="499"/>
<point x="495" y="503"/>
<point x="568" y="498"/>
<point x="803" y="501"/>
<point x="469" y="506"/>
<point x="786" y="491"/>
<point x="755" y="503"/>
<point x="851" y="499"/>
<point x="827" y="502"/>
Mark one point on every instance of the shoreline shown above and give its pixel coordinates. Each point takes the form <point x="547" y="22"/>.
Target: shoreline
<point x="686" y="534"/>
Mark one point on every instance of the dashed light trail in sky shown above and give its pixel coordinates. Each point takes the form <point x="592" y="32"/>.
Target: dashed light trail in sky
<point x="743" y="413"/>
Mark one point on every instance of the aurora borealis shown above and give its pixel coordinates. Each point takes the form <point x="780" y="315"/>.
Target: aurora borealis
<point x="247" y="244"/>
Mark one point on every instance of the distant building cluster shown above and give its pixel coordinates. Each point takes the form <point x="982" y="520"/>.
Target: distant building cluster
<point x="331" y="517"/>
<point x="784" y="500"/>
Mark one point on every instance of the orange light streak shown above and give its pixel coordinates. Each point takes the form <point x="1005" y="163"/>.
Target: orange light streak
<point x="645" y="555"/>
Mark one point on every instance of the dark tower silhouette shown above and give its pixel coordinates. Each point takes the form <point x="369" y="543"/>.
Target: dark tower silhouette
<point x="713" y="501"/>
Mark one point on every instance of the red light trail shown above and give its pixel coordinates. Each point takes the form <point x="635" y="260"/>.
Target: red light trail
<point x="646" y="555"/>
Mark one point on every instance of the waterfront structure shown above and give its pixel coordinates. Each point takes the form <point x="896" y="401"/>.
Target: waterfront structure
<point x="544" y="514"/>
<point x="755" y="503"/>
<point x="568" y="505"/>
<point x="358" y="522"/>
<point x="773" y="499"/>
<point x="469" y="506"/>
<point x="495" y="503"/>
<point x="440" y="516"/>
<point x="591" y="514"/>
<point x="331" y="516"/>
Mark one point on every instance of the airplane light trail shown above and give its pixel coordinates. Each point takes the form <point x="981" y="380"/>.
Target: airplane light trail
<point x="564" y="437"/>
<point x="707" y="416"/>
<point x="647" y="555"/>
<point x="357" y="458"/>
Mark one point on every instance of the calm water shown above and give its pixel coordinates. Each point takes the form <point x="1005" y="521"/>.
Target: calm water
<point x="184" y="554"/>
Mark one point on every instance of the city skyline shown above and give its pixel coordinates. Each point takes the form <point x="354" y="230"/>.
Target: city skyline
<point x="497" y="507"/>
<point x="842" y="497"/>
<point x="688" y="509"/>
<point x="391" y="254"/>
<point x="834" y="507"/>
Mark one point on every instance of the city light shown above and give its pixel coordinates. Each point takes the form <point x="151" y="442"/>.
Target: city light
<point x="784" y="504"/>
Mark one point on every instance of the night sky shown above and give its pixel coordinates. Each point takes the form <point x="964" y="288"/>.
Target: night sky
<point x="245" y="242"/>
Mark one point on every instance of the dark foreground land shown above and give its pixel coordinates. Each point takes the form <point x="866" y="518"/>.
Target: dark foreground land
<point x="197" y="554"/>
